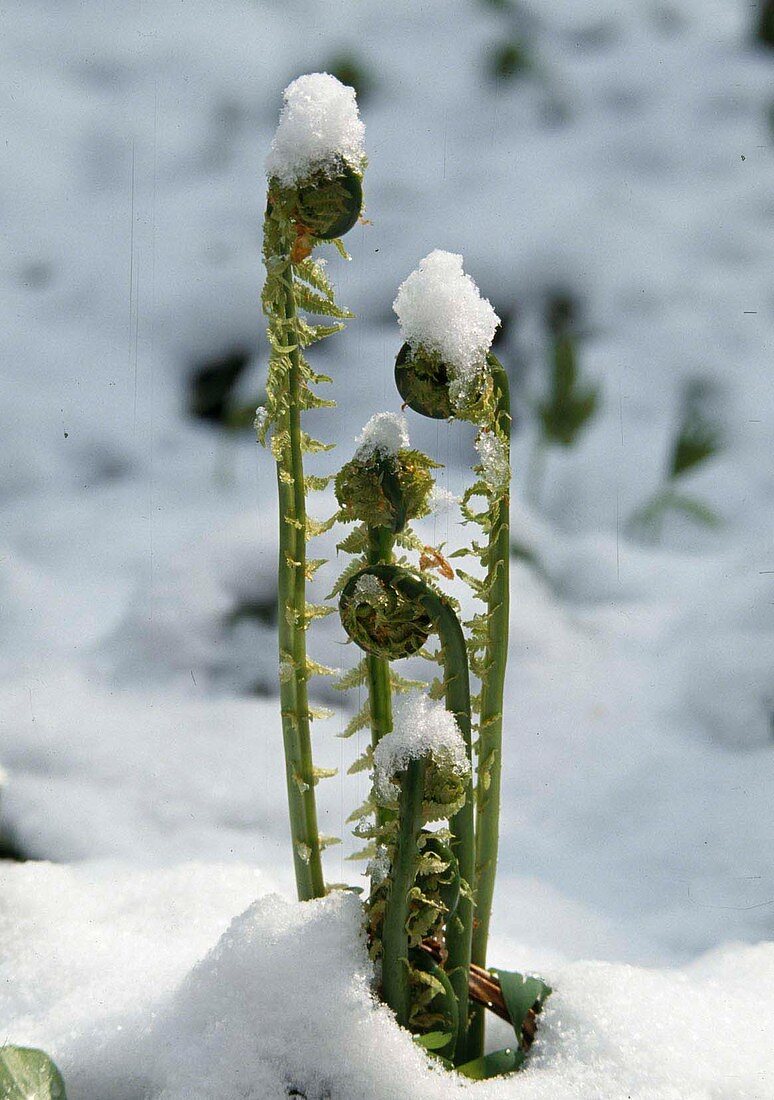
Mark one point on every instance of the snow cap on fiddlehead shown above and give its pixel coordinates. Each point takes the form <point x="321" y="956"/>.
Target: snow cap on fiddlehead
<point x="423" y="729"/>
<point x="381" y="619"/>
<point x="317" y="158"/>
<point x="448" y="330"/>
<point x="386" y="484"/>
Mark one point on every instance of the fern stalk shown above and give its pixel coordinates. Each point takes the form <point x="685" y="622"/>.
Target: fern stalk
<point x="396" y="985"/>
<point x="459" y="932"/>
<point x="292" y="629"/>
<point x="380" y="542"/>
<point x="491" y="709"/>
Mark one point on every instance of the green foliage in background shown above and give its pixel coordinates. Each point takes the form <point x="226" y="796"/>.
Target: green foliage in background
<point x="698" y="439"/>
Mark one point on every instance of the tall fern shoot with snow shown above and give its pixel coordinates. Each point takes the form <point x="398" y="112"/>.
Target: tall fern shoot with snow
<point x="314" y="194"/>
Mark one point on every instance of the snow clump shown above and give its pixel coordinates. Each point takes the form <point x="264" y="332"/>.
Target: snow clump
<point x="423" y="727"/>
<point x="383" y="436"/>
<point x="442" y="502"/>
<point x="319" y="127"/>
<point x="440" y="309"/>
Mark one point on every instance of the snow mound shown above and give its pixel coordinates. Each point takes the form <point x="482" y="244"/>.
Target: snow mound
<point x="384" y="435"/>
<point x="440" y="308"/>
<point x="97" y="970"/>
<point x="284" y="1001"/>
<point x="423" y="727"/>
<point x="319" y="126"/>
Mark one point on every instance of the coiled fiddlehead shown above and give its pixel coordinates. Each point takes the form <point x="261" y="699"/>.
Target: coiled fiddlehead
<point x="390" y="611"/>
<point x="422" y="379"/>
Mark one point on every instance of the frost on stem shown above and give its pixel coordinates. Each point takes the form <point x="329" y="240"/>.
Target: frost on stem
<point x="423" y="729"/>
<point x="495" y="464"/>
<point x="379" y="866"/>
<point x="448" y="330"/>
<point x="261" y="422"/>
<point x="319" y="130"/>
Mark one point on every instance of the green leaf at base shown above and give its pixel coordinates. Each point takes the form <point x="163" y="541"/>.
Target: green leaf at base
<point x="434" y="1040"/>
<point x="521" y="994"/>
<point x="493" y="1065"/>
<point x="28" y="1074"/>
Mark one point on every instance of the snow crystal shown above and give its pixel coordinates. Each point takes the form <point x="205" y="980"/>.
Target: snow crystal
<point x="495" y="465"/>
<point x="379" y="866"/>
<point x="440" y="309"/>
<point x="442" y="502"/>
<point x="384" y="435"/>
<point x="261" y="416"/>
<point x="368" y="588"/>
<point x="423" y="727"/>
<point x="319" y="126"/>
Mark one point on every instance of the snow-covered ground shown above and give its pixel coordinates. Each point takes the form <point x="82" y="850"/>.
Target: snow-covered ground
<point x="144" y="987"/>
<point x="631" y="167"/>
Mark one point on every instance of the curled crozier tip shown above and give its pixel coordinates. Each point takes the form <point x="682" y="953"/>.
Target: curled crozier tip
<point x="380" y="618"/>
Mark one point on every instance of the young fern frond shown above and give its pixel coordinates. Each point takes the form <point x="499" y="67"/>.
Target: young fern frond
<point x="390" y="612"/>
<point x="444" y="369"/>
<point x="353" y="677"/>
<point x="311" y="198"/>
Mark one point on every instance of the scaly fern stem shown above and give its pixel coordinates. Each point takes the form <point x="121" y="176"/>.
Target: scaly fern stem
<point x="491" y="713"/>
<point x="292" y="632"/>
<point x="395" y="964"/>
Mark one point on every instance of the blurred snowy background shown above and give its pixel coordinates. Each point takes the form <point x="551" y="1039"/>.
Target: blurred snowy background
<point x="614" y="161"/>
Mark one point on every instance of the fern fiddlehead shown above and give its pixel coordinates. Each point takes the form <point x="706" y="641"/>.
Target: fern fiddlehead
<point x="383" y="487"/>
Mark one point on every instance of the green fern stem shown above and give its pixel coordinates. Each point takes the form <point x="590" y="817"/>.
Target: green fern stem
<point x="292" y="629"/>
<point x="491" y="710"/>
<point x="380" y="543"/>
<point x="396" y="985"/>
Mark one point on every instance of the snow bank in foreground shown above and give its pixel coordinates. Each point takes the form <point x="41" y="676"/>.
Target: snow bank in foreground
<point x="124" y="979"/>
